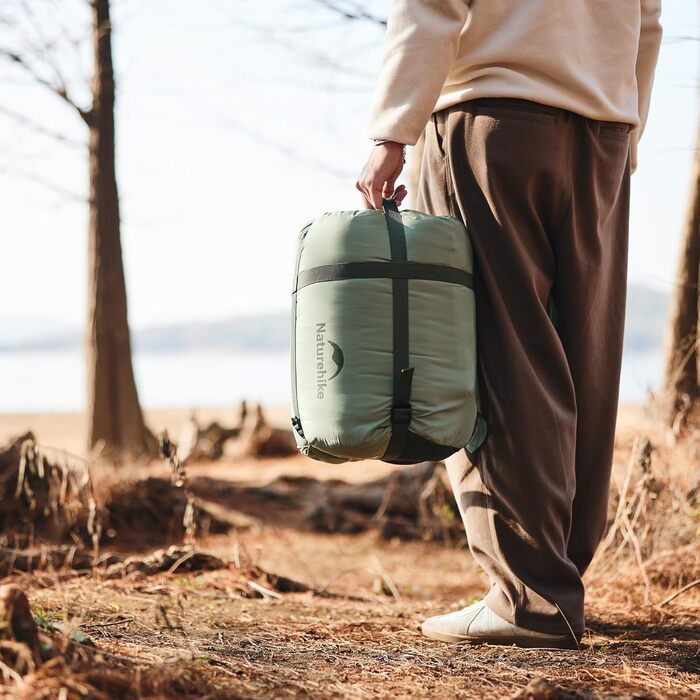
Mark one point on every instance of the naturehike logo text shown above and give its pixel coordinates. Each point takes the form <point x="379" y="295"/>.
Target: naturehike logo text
<point x="321" y="371"/>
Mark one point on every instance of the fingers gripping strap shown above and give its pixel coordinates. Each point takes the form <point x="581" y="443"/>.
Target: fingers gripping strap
<point x="397" y="234"/>
<point x="403" y="375"/>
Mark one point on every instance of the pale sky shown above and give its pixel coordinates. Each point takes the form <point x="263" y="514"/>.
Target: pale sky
<point x="238" y="121"/>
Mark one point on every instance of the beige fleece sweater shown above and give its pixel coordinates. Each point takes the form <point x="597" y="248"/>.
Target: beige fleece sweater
<point x="592" y="57"/>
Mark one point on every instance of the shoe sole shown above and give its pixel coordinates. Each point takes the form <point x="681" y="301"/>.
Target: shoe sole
<point x="522" y="642"/>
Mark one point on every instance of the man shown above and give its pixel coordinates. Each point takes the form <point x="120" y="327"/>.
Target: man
<point x="532" y="110"/>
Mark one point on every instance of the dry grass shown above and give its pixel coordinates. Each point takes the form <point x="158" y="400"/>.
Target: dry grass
<point x="200" y="627"/>
<point x="235" y="631"/>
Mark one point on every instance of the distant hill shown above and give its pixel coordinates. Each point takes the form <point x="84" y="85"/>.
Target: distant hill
<point x="647" y="315"/>
<point x="647" y="310"/>
<point x="267" y="332"/>
<point x="17" y="330"/>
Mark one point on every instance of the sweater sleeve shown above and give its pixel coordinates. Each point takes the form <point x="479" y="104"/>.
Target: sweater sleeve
<point x="420" y="47"/>
<point x="647" y="55"/>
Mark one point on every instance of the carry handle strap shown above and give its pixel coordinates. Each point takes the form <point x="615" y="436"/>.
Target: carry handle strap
<point x="395" y="229"/>
<point x="390" y="205"/>
<point x="403" y="374"/>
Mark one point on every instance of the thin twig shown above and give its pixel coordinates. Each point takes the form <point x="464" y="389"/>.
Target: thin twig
<point x="59" y="90"/>
<point x="181" y="560"/>
<point x="6" y="671"/>
<point x="265" y="592"/>
<point x="680" y="591"/>
<point x="638" y="555"/>
<point x="109" y="624"/>
<point x="387" y="579"/>
<point x="352" y="11"/>
<point x="37" y="128"/>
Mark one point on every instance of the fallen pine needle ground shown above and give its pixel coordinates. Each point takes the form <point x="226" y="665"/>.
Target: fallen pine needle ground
<point x="277" y="611"/>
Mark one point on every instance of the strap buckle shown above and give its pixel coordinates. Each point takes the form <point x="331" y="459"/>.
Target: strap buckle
<point x="296" y="424"/>
<point x="401" y="415"/>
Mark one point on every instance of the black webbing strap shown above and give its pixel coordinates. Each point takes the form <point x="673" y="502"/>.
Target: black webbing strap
<point x="381" y="269"/>
<point x="400" y="415"/>
<point x="403" y="374"/>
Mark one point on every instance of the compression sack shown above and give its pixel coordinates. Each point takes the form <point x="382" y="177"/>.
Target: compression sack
<point x="383" y="338"/>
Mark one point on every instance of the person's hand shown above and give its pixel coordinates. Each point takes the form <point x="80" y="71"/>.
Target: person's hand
<point x="378" y="178"/>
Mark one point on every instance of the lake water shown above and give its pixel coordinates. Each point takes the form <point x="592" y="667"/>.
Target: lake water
<point x="37" y="382"/>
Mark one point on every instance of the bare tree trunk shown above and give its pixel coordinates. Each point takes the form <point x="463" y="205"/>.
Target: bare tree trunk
<point x="681" y="382"/>
<point x="115" y="419"/>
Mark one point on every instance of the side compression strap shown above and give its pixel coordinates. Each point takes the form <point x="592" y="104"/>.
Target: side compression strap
<point x="403" y="374"/>
<point x="378" y="269"/>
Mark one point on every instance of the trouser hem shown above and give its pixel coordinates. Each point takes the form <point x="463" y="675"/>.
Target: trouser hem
<point x="530" y="621"/>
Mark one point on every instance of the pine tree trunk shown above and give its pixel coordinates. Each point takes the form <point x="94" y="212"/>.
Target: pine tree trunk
<point x="681" y="381"/>
<point x="115" y="421"/>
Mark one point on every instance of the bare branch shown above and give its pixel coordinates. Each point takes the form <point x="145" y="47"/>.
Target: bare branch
<point x="679" y="39"/>
<point x="313" y="56"/>
<point x="73" y="42"/>
<point x="48" y="184"/>
<point x="351" y="10"/>
<point x="39" y="129"/>
<point x="45" y="49"/>
<point x="284" y="148"/>
<point x="57" y="88"/>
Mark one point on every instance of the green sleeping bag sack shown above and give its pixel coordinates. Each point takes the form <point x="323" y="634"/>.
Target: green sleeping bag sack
<point x="384" y="338"/>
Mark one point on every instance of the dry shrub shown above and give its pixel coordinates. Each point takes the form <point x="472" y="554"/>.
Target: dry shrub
<point x="675" y="568"/>
<point x="653" y="521"/>
<point x="261" y="439"/>
<point x="51" y="497"/>
<point x="44" y="495"/>
<point x="149" y="512"/>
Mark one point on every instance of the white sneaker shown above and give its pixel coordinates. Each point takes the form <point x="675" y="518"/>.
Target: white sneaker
<point x="478" y="624"/>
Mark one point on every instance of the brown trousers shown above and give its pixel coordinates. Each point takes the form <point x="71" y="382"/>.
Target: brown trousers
<point x="545" y="196"/>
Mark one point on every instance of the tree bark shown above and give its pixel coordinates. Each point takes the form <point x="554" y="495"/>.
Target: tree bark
<point x="115" y="421"/>
<point x="681" y="383"/>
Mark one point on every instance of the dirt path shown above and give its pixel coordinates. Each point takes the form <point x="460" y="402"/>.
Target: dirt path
<point x="218" y="634"/>
<point x="199" y="632"/>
